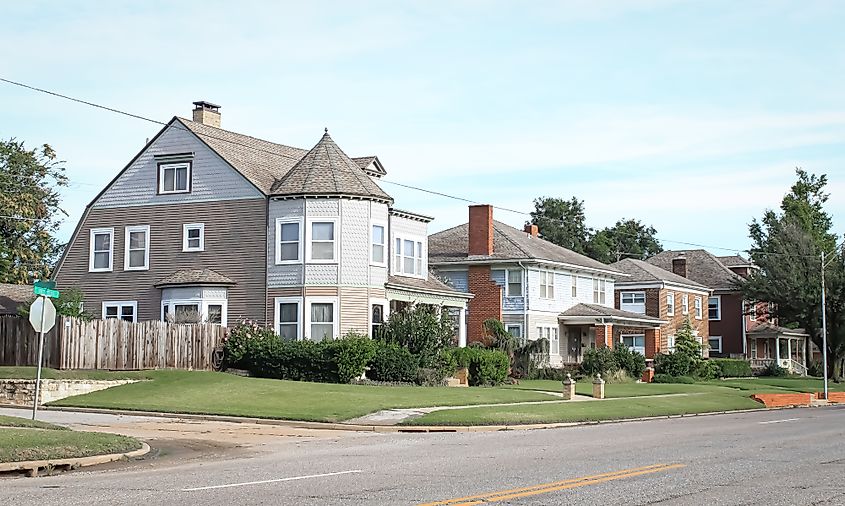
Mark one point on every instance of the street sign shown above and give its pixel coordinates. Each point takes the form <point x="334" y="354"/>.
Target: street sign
<point x="47" y="292"/>
<point x="45" y="284"/>
<point x="42" y="314"/>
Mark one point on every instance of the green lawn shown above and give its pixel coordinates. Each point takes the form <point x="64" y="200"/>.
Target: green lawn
<point x="14" y="421"/>
<point x="19" y="444"/>
<point x="611" y="409"/>
<point x="226" y="394"/>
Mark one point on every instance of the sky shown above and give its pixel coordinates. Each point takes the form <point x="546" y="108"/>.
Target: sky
<point x="689" y="116"/>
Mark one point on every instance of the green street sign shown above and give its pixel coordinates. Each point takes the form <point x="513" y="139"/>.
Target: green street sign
<point x="44" y="283"/>
<point x="47" y="292"/>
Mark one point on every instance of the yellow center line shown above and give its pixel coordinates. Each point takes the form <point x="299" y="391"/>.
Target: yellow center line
<point x="554" y="486"/>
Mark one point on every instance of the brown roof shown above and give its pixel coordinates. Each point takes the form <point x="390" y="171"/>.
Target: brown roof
<point x="702" y="267"/>
<point x="364" y="163"/>
<point x="770" y="329"/>
<point x="195" y="277"/>
<point x="735" y="261"/>
<point x="429" y="285"/>
<point x="327" y="170"/>
<point x="12" y="296"/>
<point x="598" y="311"/>
<point x="644" y="272"/>
<point x="509" y="243"/>
<point x="259" y="161"/>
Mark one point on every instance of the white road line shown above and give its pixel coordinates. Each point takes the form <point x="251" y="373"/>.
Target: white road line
<point x="779" y="421"/>
<point x="292" y="478"/>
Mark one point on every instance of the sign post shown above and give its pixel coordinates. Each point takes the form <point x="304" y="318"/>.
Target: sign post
<point x="42" y="316"/>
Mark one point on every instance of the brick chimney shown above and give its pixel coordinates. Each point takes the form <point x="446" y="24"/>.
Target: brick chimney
<point x="207" y="113"/>
<point x="679" y="265"/>
<point x="532" y="230"/>
<point x="481" y="230"/>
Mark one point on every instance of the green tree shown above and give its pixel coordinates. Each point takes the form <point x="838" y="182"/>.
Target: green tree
<point x="629" y="238"/>
<point x="562" y="222"/>
<point x="422" y="329"/>
<point x="29" y="207"/>
<point x="787" y="247"/>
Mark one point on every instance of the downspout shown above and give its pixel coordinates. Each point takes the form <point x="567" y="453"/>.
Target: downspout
<point x="266" y="266"/>
<point x="305" y="237"/>
<point x="525" y="301"/>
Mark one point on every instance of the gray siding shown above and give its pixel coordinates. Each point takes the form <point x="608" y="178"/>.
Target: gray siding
<point x="355" y="242"/>
<point x="211" y="177"/>
<point x="282" y="275"/>
<point x="235" y="235"/>
<point x="458" y="279"/>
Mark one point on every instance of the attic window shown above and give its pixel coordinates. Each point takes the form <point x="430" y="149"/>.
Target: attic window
<point x="174" y="178"/>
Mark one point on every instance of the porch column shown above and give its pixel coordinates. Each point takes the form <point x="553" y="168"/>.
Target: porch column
<point x="777" y="349"/>
<point x="804" y="352"/>
<point x="462" y="327"/>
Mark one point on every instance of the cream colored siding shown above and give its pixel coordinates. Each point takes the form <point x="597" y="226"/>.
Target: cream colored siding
<point x="354" y="310"/>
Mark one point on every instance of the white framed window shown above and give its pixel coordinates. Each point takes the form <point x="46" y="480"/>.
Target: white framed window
<point x="137" y="248"/>
<point x="378" y="244"/>
<point x="322" y="240"/>
<point x="714" y="307"/>
<point x="288" y="240"/>
<point x="574" y="286"/>
<point x="194" y="310"/>
<point x="670" y="304"/>
<point x="174" y="178"/>
<point x="193" y="237"/>
<point x="632" y="301"/>
<point x="321" y="318"/>
<point x="751" y="309"/>
<point x="126" y="310"/>
<point x="715" y="343"/>
<point x="101" y="250"/>
<point x="599" y="291"/>
<point x="685" y="304"/>
<point x="670" y="343"/>
<point x="551" y="334"/>
<point x="379" y="309"/>
<point x="514" y="282"/>
<point x="288" y="317"/>
<point x="698" y="309"/>
<point x="636" y="342"/>
<point x="547" y="285"/>
<point x="753" y="348"/>
<point x="514" y="329"/>
<point x="408" y="257"/>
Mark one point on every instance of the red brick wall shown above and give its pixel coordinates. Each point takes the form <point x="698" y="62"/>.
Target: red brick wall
<point x="604" y="336"/>
<point x="486" y="304"/>
<point x="730" y="326"/>
<point x="481" y="230"/>
<point x="675" y="322"/>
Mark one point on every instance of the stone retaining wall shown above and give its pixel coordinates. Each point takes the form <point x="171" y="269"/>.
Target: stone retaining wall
<point x="20" y="392"/>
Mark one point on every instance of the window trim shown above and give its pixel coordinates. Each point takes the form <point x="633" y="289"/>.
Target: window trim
<point x="276" y="315"/>
<point x="519" y="325"/>
<point x="335" y="315"/>
<point x="633" y="294"/>
<point x="508" y="283"/>
<point x="720" y="344"/>
<point x="384" y="303"/>
<point x="423" y="258"/>
<point x="599" y="291"/>
<point x="202" y="304"/>
<point x="127" y="231"/>
<point x="174" y="165"/>
<point x="639" y="349"/>
<point x="191" y="226"/>
<point x="300" y="239"/>
<point x="549" y="328"/>
<point x="385" y="245"/>
<point x="574" y="290"/>
<point x="670" y="308"/>
<point x="92" y="233"/>
<point x="685" y="304"/>
<point x="698" y="305"/>
<point x="549" y="276"/>
<point x="718" y="308"/>
<point x="308" y="241"/>
<point x="120" y="304"/>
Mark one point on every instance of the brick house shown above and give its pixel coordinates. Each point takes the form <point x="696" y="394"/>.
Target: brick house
<point x="210" y="224"/>
<point x="656" y="292"/>
<point x="738" y="328"/>
<point x="536" y="288"/>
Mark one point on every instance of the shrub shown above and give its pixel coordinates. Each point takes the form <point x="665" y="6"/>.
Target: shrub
<point x="814" y="368"/>
<point x="346" y="358"/>
<point x="668" y="378"/>
<point x="421" y="329"/>
<point x="599" y="361"/>
<point x="686" y="359"/>
<point x="391" y="362"/>
<point x="732" y="368"/>
<point x="706" y="370"/>
<point x="552" y="373"/>
<point x="485" y="367"/>
<point x="632" y="362"/>
<point x="241" y="339"/>
<point x="774" y="370"/>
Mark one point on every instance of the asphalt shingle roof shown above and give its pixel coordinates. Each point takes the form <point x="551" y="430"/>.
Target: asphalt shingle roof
<point x="195" y="277"/>
<point x="598" y="311"/>
<point x="364" y="163"/>
<point x="734" y="261"/>
<point x="702" y="267"/>
<point x="431" y="284"/>
<point x="509" y="243"/>
<point x="12" y="296"/>
<point x="327" y="170"/>
<point x="641" y="271"/>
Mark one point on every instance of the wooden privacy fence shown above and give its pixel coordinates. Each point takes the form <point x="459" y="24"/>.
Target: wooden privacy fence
<point x="111" y="344"/>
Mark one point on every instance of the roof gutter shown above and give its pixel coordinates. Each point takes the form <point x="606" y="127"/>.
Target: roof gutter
<point x="569" y="266"/>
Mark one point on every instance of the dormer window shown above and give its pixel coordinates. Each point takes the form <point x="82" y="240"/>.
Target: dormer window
<point x="174" y="177"/>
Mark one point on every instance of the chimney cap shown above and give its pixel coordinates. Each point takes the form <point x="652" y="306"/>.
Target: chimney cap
<point x="202" y="104"/>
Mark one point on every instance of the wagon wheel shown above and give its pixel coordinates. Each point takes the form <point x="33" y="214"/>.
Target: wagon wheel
<point x="217" y="359"/>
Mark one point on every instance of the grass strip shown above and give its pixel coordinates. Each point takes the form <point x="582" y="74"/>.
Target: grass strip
<point x="21" y="444"/>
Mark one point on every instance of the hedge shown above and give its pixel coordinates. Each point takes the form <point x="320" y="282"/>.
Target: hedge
<point x="668" y="378"/>
<point x="732" y="368"/>
<point x="485" y="367"/>
<point x="392" y="363"/>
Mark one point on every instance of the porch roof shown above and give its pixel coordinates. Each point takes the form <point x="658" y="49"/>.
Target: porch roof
<point x="597" y="314"/>
<point x="769" y="330"/>
<point x="427" y="291"/>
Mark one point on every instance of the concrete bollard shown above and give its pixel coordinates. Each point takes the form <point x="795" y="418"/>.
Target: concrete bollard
<point x="598" y="387"/>
<point x="568" y="388"/>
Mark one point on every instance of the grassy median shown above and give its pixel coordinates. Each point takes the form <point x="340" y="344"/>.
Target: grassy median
<point x="22" y="439"/>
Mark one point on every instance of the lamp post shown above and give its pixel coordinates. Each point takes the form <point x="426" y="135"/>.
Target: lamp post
<point x="824" y="331"/>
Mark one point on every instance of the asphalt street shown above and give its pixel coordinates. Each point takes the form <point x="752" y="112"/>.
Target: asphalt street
<point x="783" y="457"/>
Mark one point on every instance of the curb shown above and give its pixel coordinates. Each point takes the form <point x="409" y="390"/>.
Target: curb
<point x="398" y="428"/>
<point x="32" y="466"/>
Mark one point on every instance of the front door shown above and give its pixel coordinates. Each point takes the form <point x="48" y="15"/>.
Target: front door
<point x="574" y="347"/>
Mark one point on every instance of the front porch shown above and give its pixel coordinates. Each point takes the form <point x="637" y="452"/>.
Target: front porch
<point x="402" y="291"/>
<point x="587" y="326"/>
<point x="769" y="344"/>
